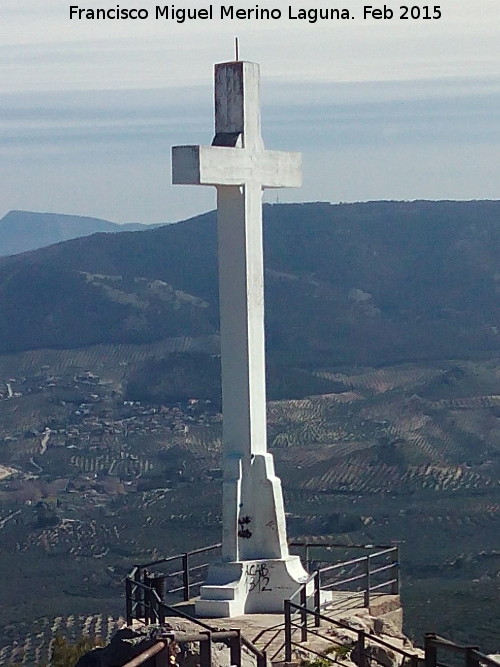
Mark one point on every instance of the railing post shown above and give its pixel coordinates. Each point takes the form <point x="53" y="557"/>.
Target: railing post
<point x="235" y="649"/>
<point x="185" y="576"/>
<point x="288" y="631"/>
<point x="206" y="650"/>
<point x="128" y="601"/>
<point x="306" y="555"/>
<point x="471" y="659"/>
<point x="366" y="602"/>
<point x="155" y="608"/>
<point x="138" y="595"/>
<point x="430" y="650"/>
<point x="161" y="613"/>
<point x="317" y="598"/>
<point x="148" y="618"/>
<point x="395" y="569"/>
<point x="262" y="660"/>
<point x="161" y="659"/>
<point x="303" y="613"/>
<point x="363" y="662"/>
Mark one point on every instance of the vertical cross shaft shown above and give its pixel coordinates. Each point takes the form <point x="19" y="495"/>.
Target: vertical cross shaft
<point x="253" y="529"/>
<point x="241" y="299"/>
<point x="241" y="271"/>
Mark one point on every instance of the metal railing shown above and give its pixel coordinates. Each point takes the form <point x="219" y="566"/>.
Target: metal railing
<point x="158" y="651"/>
<point x="149" y="586"/>
<point x="164" y="651"/>
<point x="468" y="656"/>
<point x="374" y="573"/>
<point x="144" y="604"/>
<point x="179" y="577"/>
<point x="361" y="647"/>
<point x="174" y="578"/>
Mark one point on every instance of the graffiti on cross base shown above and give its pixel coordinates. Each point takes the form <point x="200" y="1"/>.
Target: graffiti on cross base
<point x="257" y="577"/>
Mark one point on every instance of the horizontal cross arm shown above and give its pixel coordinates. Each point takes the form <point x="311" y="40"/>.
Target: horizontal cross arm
<point x="220" y="165"/>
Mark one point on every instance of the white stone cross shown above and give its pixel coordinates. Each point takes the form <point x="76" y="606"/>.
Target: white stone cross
<point x="254" y="531"/>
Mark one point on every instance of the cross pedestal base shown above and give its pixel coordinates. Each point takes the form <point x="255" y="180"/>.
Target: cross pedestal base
<point x="249" y="587"/>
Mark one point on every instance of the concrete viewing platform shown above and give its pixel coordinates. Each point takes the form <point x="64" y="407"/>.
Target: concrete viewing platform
<point x="383" y="617"/>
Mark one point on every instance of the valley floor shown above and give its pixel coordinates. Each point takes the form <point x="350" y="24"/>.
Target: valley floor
<point x="93" y="481"/>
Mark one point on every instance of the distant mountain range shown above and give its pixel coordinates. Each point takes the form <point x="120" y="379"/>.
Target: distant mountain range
<point x="24" y="230"/>
<point x="371" y="283"/>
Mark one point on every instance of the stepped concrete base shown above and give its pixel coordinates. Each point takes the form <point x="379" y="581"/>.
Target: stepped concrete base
<point x="249" y="587"/>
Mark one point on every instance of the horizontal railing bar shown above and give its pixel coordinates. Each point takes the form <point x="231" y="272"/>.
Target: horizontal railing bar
<point x="192" y="584"/>
<point x="204" y="549"/>
<point x="216" y="635"/>
<point x="146" y="655"/>
<point x="178" y="556"/>
<point x="385" y="583"/>
<point x="251" y="647"/>
<point x="332" y="604"/>
<point x="198" y="567"/>
<point x="344" y="581"/>
<point x="381" y="553"/>
<point x="383" y="568"/>
<point x="172" y="574"/>
<point x="361" y="559"/>
<point x="456" y="648"/>
<point x="175" y="573"/>
<point x="342" y="546"/>
<point x="462" y="650"/>
<point x="158" y="562"/>
<point x="436" y="639"/>
<point x="175" y="590"/>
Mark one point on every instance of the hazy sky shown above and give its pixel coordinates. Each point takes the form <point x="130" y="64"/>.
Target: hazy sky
<point x="381" y="109"/>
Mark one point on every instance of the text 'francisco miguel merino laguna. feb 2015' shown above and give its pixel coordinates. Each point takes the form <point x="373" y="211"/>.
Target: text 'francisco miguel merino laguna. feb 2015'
<point x="209" y="12"/>
<point x="234" y="13"/>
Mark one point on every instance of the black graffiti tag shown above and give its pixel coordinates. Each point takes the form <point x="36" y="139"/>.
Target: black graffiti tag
<point x="244" y="532"/>
<point x="257" y="575"/>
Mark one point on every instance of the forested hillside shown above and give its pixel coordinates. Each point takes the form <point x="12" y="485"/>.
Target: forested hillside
<point x="379" y="282"/>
